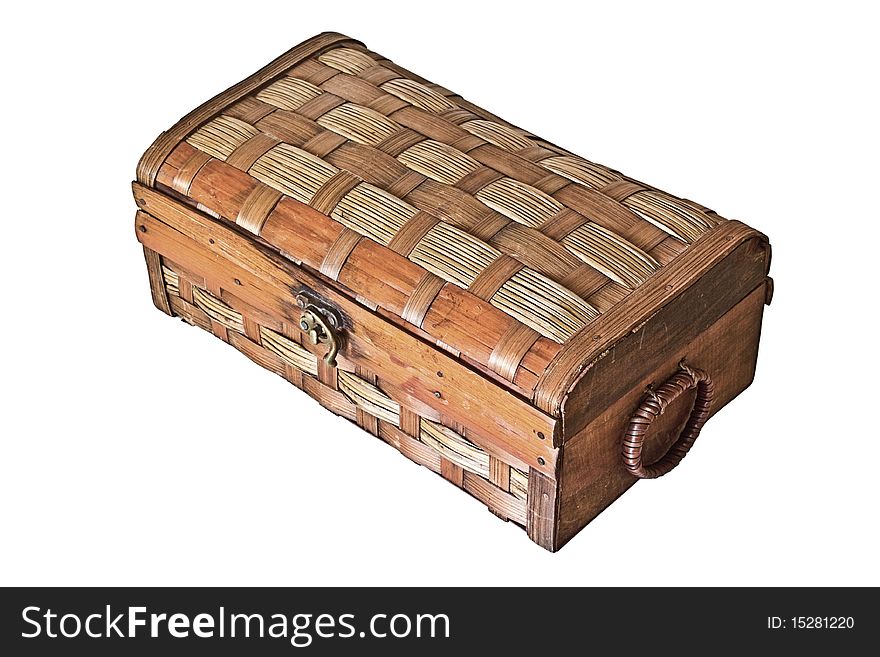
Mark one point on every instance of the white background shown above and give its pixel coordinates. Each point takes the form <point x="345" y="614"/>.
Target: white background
<point x="136" y="450"/>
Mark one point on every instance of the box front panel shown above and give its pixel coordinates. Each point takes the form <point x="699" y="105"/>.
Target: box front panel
<point x="439" y="444"/>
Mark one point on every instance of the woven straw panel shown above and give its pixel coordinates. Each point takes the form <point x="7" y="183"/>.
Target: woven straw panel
<point x="547" y="237"/>
<point x="355" y="395"/>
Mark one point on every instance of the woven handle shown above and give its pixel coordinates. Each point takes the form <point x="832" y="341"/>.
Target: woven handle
<point x="653" y="406"/>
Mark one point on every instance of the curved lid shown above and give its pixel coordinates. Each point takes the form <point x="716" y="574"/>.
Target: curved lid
<point x="498" y="246"/>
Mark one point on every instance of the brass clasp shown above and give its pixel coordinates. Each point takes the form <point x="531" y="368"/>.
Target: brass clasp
<point x="320" y="323"/>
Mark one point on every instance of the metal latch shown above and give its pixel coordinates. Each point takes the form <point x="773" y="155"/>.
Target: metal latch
<point x="322" y="323"/>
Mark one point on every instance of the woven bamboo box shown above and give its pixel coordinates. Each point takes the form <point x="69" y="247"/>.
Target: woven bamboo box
<point x="538" y="329"/>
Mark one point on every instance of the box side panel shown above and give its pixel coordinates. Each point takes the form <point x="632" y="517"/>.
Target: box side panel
<point x="592" y="470"/>
<point x="619" y="369"/>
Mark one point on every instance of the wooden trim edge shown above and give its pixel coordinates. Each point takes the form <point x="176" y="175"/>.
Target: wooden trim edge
<point x="157" y="284"/>
<point x="543" y="509"/>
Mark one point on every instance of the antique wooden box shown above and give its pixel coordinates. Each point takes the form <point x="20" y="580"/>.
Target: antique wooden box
<point x="540" y="330"/>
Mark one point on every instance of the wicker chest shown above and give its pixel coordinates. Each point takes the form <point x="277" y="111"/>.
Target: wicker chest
<point x="540" y="330"/>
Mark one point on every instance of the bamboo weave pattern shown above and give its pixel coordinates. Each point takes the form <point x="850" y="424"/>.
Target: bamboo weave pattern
<point x="543" y="235"/>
